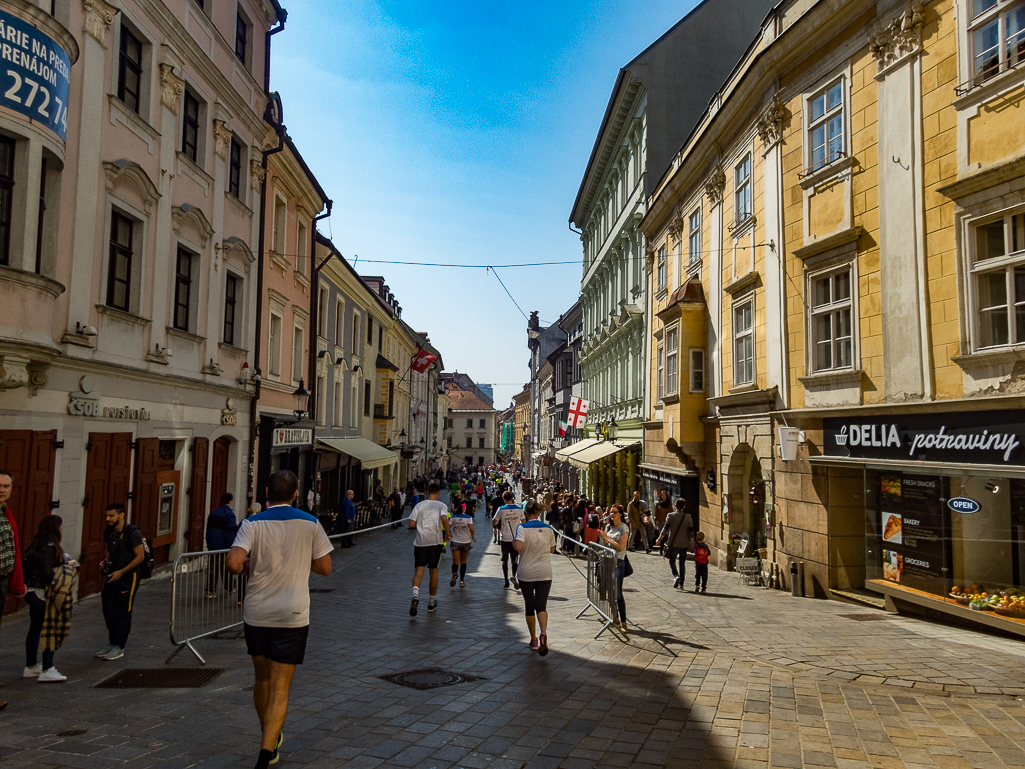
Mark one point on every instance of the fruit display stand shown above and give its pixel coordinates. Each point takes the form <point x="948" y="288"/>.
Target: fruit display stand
<point x="947" y="604"/>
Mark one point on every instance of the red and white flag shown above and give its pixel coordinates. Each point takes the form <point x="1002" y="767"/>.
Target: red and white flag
<point x="423" y="361"/>
<point x="563" y="427"/>
<point x="577" y="412"/>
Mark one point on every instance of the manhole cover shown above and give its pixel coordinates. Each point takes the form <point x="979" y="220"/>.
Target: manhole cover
<point x="71" y="733"/>
<point x="322" y="590"/>
<point x="866" y="617"/>
<point x="429" y="678"/>
<point x="160" y="678"/>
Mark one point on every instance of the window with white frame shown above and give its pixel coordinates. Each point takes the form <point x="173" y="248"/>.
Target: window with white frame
<point x="694" y="237"/>
<point x="280" y="222"/>
<point x="660" y="372"/>
<point x="297" y="353"/>
<point x="743" y="343"/>
<point x="354" y="400"/>
<point x="996" y="34"/>
<point x="336" y="405"/>
<point x="826" y="125"/>
<point x="339" y="323"/>
<point x="321" y="399"/>
<point x="742" y="189"/>
<point x="355" y="334"/>
<point x="672" y="359"/>
<point x="998" y="275"/>
<point x="697" y="369"/>
<point x="274" y="346"/>
<point x="661" y="275"/>
<point x="301" y="248"/>
<point x="678" y="258"/>
<point x="832" y="341"/>
<point x="322" y="309"/>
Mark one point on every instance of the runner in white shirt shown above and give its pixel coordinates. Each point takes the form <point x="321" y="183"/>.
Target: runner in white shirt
<point x="507" y="518"/>
<point x="535" y="542"/>
<point x="463" y="537"/>
<point x="430" y="519"/>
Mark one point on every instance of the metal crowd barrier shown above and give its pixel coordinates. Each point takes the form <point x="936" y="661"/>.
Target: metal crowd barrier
<point x="601" y="578"/>
<point x="206" y="598"/>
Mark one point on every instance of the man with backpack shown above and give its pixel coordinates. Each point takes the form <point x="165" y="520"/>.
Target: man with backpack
<point x="125" y="553"/>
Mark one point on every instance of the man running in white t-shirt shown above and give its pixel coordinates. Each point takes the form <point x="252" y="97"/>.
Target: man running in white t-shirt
<point x="430" y="519"/>
<point x="279" y="547"/>
<point x="506" y="519"/>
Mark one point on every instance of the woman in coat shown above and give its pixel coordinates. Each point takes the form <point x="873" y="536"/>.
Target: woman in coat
<point x="49" y="579"/>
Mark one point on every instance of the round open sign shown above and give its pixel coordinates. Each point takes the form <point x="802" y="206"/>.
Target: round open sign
<point x="963" y="505"/>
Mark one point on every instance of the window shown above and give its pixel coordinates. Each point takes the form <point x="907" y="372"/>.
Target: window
<point x="999" y="276"/>
<point x="41" y="218"/>
<point x="672" y="360"/>
<point x="241" y="37"/>
<point x="6" y="197"/>
<point x="182" y="290"/>
<point x="826" y="126"/>
<point x="661" y="275"/>
<point x="321" y="399"/>
<point x="677" y="259"/>
<point x="694" y="237"/>
<point x="366" y="399"/>
<point x="354" y="401"/>
<point x="336" y="405"/>
<point x="469" y="442"/>
<point x="469" y="424"/>
<point x="274" y="346"/>
<point x="301" y="242"/>
<point x="370" y="330"/>
<point x="743" y="344"/>
<point x="391" y="397"/>
<point x="448" y="442"/>
<point x="742" y="189"/>
<point x="235" y="169"/>
<point x="297" y="353"/>
<point x="480" y="443"/>
<point x="231" y="296"/>
<point x="119" y="270"/>
<point x="322" y="309"/>
<point x="997" y="37"/>
<point x="380" y="338"/>
<point x="280" y="221"/>
<point x="483" y="424"/>
<point x="660" y="375"/>
<point x="190" y="127"/>
<point x="201" y="4"/>
<point x="450" y="423"/>
<point x="697" y="370"/>
<point x="129" y="73"/>
<point x="831" y="321"/>
<point x="339" y="323"/>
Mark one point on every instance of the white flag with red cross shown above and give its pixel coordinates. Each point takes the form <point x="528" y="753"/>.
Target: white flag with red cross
<point x="577" y="412"/>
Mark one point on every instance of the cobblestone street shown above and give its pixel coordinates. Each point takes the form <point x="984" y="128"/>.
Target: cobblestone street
<point x="741" y="676"/>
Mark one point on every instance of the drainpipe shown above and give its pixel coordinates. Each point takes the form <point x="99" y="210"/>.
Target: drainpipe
<point x="266" y="60"/>
<point x="251" y="491"/>
<point x="314" y="333"/>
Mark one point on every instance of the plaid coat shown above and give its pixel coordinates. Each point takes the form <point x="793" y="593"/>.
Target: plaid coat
<point x="59" y="599"/>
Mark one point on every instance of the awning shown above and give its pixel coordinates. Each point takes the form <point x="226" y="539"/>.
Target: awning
<point x="565" y="453"/>
<point x="666" y="470"/>
<point x="367" y="452"/>
<point x="581" y="460"/>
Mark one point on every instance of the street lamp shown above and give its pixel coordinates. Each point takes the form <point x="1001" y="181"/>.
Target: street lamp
<point x="302" y="399"/>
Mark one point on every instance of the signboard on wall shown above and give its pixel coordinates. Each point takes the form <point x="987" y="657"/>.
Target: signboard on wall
<point x="292" y="436"/>
<point x="981" y="437"/>
<point x="34" y="74"/>
<point x="913" y="528"/>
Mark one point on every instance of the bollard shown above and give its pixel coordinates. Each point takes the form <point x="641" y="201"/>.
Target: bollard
<point x="795" y="584"/>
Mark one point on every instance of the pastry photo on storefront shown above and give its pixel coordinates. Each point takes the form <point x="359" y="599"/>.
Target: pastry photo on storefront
<point x="943" y="527"/>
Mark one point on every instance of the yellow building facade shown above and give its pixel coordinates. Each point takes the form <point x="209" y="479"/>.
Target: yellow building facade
<point x="837" y="258"/>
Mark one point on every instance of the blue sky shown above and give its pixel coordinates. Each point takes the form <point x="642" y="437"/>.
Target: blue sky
<point x="459" y="132"/>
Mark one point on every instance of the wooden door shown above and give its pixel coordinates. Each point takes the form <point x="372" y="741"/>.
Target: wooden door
<point x="144" y="489"/>
<point x="219" y="473"/>
<point x="197" y="494"/>
<point x="107" y="472"/>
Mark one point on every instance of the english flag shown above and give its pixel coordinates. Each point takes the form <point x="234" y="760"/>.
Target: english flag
<point x="563" y="427"/>
<point x="423" y="361"/>
<point x="577" y="412"/>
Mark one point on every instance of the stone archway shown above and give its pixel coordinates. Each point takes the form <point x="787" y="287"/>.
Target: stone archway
<point x="747" y="485"/>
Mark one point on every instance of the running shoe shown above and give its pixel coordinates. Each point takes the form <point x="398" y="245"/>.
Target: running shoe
<point x="412" y="606"/>
<point x="533" y="644"/>
<point x="452" y="582"/>
<point x="462" y="584"/>
<point x="432" y="606"/>
<point x="115" y="653"/>
<point x="676" y="582"/>
<point x="515" y="583"/>
<point x="543" y="645"/>
<point x="51" y="676"/>
<point x="33" y="671"/>
<point x="103" y="652"/>
<point x="506" y="585"/>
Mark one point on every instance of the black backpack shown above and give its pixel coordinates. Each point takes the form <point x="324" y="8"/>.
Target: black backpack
<point x="34" y="568"/>
<point x="145" y="569"/>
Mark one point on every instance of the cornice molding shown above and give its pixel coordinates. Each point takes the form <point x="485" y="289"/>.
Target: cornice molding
<point x="114" y="170"/>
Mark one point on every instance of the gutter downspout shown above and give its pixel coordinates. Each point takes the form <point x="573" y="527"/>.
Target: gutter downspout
<point x="314" y="334"/>
<point x="253" y="403"/>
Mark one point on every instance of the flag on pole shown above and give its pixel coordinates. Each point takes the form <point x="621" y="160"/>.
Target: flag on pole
<point x="423" y="361"/>
<point x="563" y="427"/>
<point x="577" y="412"/>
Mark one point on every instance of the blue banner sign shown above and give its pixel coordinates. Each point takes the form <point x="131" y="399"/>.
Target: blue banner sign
<point x="34" y="74"/>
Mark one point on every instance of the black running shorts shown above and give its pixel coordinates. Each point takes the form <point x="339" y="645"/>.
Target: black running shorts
<point x="427" y="557"/>
<point x="286" y="645"/>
